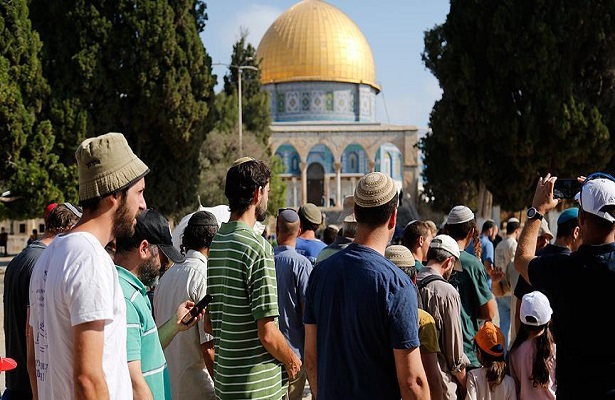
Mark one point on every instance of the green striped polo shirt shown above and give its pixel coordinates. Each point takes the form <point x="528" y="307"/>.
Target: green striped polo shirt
<point x="241" y="278"/>
<point x="142" y="342"/>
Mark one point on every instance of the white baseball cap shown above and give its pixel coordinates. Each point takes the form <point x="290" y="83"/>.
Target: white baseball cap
<point x="535" y="305"/>
<point x="597" y="194"/>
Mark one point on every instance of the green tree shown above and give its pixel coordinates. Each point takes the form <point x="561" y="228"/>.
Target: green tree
<point x="527" y="89"/>
<point x="28" y="166"/>
<point x="221" y="146"/>
<point x="138" y="68"/>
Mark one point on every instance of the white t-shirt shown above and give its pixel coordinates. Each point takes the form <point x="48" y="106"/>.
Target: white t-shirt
<point x="478" y="387"/>
<point x="185" y="281"/>
<point x="75" y="281"/>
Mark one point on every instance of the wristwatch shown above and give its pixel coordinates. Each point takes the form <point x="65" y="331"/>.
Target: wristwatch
<point x="532" y="213"/>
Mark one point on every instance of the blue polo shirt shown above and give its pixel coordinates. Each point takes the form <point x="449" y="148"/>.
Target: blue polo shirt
<point x="364" y="307"/>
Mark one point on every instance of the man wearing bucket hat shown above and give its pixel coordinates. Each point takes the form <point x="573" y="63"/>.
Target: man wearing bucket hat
<point x="77" y="310"/>
<point x="358" y="301"/>
<point x="582" y="371"/>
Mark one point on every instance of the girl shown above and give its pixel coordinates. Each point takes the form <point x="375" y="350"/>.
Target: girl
<point x="490" y="382"/>
<point x="532" y="355"/>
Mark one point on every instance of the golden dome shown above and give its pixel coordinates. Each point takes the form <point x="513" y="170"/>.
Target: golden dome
<point x="314" y="41"/>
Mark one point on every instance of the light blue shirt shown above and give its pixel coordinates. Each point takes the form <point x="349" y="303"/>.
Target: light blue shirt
<point x="292" y="274"/>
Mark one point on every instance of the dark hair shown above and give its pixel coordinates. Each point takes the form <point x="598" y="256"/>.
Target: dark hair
<point x="460" y="231"/>
<point x="60" y="219"/>
<point x="599" y="224"/>
<point x="197" y="237"/>
<point x="329" y="234"/>
<point x="307" y="225"/>
<point x="495" y="367"/>
<point x="413" y="231"/>
<point x="565" y="229"/>
<point x="438" y="255"/>
<point x="93" y="204"/>
<point x="488" y="224"/>
<point x="375" y="216"/>
<point x="543" y="351"/>
<point x="512" y="227"/>
<point x="241" y="182"/>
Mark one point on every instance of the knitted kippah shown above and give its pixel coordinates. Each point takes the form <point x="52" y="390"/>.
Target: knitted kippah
<point x="374" y="189"/>
<point x="459" y="215"/>
<point x="399" y="255"/>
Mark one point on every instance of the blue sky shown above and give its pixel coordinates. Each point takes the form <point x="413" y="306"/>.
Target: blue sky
<point x="393" y="28"/>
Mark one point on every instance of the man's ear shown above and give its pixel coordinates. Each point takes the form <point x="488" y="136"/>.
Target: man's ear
<point x="393" y="219"/>
<point x="256" y="196"/>
<point x="421" y="240"/>
<point x="576" y="232"/>
<point x="144" y="249"/>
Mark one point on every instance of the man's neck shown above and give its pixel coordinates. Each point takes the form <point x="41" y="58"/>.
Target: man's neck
<point x="248" y="217"/>
<point x="309" y="235"/>
<point x="377" y="238"/>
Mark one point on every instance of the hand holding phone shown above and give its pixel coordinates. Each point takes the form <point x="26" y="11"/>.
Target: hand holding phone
<point x="196" y="310"/>
<point x="566" y="188"/>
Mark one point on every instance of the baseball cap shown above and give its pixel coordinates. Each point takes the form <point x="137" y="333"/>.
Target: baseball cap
<point x="310" y="212"/>
<point x="49" y="209"/>
<point x="459" y="215"/>
<point x="445" y="242"/>
<point x="374" y="189"/>
<point x="535" y="305"/>
<point x="7" y="364"/>
<point x="448" y="244"/>
<point x="596" y="194"/>
<point x="490" y="339"/>
<point x="106" y="165"/>
<point x="153" y="227"/>
<point x="567" y="215"/>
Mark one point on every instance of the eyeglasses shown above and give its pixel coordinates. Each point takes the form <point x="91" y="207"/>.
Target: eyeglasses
<point x="595" y="175"/>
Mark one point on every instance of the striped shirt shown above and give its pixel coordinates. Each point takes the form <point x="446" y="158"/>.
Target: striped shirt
<point x="242" y="280"/>
<point x="142" y="342"/>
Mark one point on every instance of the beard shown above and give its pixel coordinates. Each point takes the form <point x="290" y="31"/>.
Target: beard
<point x="123" y="221"/>
<point x="261" y="211"/>
<point x="149" y="270"/>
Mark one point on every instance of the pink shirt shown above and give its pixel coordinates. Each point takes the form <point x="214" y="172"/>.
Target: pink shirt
<point x="520" y="363"/>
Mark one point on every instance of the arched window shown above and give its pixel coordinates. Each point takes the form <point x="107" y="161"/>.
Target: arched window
<point x="353" y="163"/>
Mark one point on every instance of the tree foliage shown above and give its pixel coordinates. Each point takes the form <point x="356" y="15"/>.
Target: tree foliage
<point x="138" y="68"/>
<point x="222" y="146"/>
<point x="528" y="88"/>
<point x="29" y="168"/>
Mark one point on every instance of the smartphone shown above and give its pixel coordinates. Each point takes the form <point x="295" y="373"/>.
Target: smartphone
<point x="566" y="188"/>
<point x="196" y="310"/>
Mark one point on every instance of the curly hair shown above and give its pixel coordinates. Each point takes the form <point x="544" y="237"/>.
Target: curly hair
<point x="242" y="180"/>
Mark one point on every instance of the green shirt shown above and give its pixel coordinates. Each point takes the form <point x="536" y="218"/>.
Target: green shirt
<point x="241" y="278"/>
<point x="473" y="287"/>
<point x="142" y="342"/>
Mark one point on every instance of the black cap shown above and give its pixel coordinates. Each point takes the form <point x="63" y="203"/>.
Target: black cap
<point x="154" y="227"/>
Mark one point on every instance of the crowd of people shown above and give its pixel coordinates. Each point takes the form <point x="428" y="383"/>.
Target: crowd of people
<point x="104" y="306"/>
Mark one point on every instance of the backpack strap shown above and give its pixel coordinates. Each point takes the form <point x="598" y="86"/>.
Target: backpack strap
<point x="428" y="279"/>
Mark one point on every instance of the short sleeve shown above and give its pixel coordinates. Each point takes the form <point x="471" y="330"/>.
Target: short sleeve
<point x="134" y="332"/>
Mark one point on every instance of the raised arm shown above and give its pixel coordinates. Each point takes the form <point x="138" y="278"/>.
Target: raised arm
<point x="543" y="202"/>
